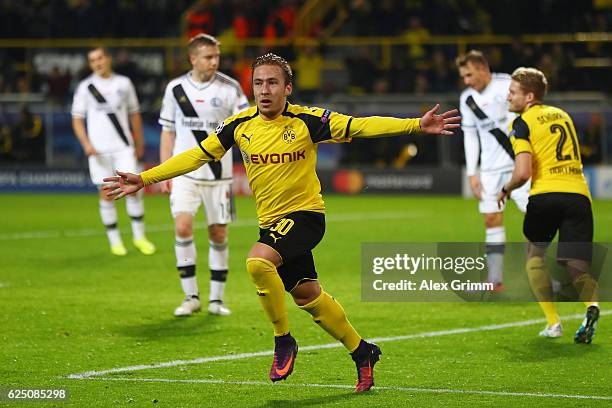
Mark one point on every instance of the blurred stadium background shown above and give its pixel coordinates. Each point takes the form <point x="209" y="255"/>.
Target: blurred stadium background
<point x="389" y="57"/>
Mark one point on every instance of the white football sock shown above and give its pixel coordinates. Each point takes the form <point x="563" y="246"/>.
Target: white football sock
<point x="135" y="209"/>
<point x="186" y="255"/>
<point x="218" y="255"/>
<point x="496" y="245"/>
<point x="108" y="214"/>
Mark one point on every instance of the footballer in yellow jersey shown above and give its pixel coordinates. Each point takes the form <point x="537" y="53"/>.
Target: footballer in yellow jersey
<point x="547" y="151"/>
<point x="278" y="142"/>
<point x="548" y="134"/>
<point x="280" y="155"/>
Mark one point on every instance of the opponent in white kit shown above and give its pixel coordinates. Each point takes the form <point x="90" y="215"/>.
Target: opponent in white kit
<point x="108" y="101"/>
<point x="194" y="105"/>
<point x="485" y="122"/>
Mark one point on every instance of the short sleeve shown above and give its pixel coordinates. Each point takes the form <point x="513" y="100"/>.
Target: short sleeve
<point x="132" y="100"/>
<point x="240" y="102"/>
<point x="166" y="115"/>
<point x="519" y="136"/>
<point x="79" y="102"/>
<point x="467" y="116"/>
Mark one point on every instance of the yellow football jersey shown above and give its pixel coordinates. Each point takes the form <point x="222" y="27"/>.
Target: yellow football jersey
<point x="280" y="155"/>
<point x="548" y="133"/>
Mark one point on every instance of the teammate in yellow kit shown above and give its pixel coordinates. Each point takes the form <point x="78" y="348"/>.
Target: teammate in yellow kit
<point x="547" y="151"/>
<point x="278" y="142"/>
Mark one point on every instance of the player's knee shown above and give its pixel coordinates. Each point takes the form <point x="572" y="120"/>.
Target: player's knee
<point x="184" y="230"/>
<point x="260" y="250"/>
<point x="306" y="292"/>
<point x="258" y="268"/>
<point x="535" y="251"/>
<point x="104" y="197"/>
<point x="493" y="220"/>
<point x="217" y="233"/>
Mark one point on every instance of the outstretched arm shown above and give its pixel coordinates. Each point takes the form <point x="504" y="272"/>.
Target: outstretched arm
<point x="430" y="123"/>
<point x="127" y="183"/>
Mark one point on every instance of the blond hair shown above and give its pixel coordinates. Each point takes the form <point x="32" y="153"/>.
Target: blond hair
<point x="201" y="40"/>
<point x="531" y="80"/>
<point x="473" y="56"/>
<point x="102" y="48"/>
<point x="273" y="59"/>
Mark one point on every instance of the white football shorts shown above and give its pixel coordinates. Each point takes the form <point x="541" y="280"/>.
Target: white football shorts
<point x="104" y="164"/>
<point x="187" y="196"/>
<point x="492" y="184"/>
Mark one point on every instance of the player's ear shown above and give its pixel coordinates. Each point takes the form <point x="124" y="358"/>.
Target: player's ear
<point x="530" y="97"/>
<point x="288" y="89"/>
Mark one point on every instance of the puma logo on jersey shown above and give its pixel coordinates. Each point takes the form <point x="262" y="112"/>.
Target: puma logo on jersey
<point x="248" y="138"/>
<point x="274" y="237"/>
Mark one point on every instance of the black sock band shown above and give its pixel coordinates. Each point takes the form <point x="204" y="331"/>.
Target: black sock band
<point x="187" y="271"/>
<point x="219" y="275"/>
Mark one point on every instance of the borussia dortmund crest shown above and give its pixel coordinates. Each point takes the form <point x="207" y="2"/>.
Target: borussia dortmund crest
<point x="289" y="135"/>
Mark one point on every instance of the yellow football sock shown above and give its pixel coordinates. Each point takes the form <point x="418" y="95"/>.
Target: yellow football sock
<point x="539" y="279"/>
<point x="550" y="311"/>
<point x="587" y="289"/>
<point x="329" y="314"/>
<point x="271" y="293"/>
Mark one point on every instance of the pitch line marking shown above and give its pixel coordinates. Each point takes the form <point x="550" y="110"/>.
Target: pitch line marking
<point x="90" y="232"/>
<point x="376" y="388"/>
<point x="229" y="357"/>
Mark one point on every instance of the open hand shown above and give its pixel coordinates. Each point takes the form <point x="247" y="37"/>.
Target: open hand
<point x="122" y="184"/>
<point x="440" y="124"/>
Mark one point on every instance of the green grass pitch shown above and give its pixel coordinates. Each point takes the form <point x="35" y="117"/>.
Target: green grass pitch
<point x="68" y="306"/>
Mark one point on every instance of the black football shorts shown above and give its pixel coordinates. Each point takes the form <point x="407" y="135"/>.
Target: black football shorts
<point x="293" y="237"/>
<point x="568" y="213"/>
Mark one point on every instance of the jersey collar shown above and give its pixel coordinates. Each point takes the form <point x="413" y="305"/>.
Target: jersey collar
<point x="100" y="78"/>
<point x="199" y="85"/>
<point x="531" y="107"/>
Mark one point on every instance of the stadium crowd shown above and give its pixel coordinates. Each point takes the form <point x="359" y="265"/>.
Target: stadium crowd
<point x="321" y="70"/>
<point x="416" y="68"/>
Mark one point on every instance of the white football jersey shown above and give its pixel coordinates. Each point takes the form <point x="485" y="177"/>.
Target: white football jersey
<point x="485" y="120"/>
<point x="119" y="100"/>
<point x="212" y="102"/>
